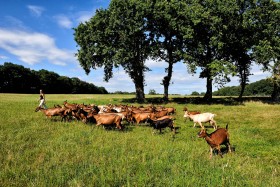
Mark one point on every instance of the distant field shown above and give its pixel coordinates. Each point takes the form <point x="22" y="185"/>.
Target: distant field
<point x="35" y="151"/>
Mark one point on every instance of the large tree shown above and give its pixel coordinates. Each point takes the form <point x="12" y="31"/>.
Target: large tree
<point x="240" y="39"/>
<point x="206" y="49"/>
<point x="116" y="37"/>
<point x="165" y="23"/>
<point x="267" y="51"/>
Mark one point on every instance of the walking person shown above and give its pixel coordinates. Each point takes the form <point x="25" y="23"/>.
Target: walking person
<point x="42" y="100"/>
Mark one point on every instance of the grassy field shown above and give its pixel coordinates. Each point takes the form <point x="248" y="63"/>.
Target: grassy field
<point x="35" y="151"/>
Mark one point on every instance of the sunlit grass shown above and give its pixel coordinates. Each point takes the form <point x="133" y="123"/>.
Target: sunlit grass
<point x="35" y="151"/>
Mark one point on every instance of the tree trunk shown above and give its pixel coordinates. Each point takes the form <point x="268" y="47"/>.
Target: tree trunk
<point x="139" y="88"/>
<point x="275" y="96"/>
<point x="140" y="96"/>
<point x="244" y="64"/>
<point x="166" y="81"/>
<point x="242" y="83"/>
<point x="208" y="94"/>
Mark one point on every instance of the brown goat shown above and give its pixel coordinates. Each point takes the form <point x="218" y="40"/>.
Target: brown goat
<point x="108" y="120"/>
<point x="69" y="105"/>
<point x="171" y="110"/>
<point x="139" y="117"/>
<point x="216" y="138"/>
<point x="52" y="112"/>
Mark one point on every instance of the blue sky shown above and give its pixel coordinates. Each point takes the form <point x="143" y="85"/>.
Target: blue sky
<point x="39" y="35"/>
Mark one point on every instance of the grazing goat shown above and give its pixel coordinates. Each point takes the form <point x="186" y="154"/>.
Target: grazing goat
<point x="160" y="124"/>
<point x="215" y="139"/>
<point x="202" y="118"/>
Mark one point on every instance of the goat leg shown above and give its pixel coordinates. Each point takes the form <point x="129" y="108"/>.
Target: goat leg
<point x="211" y="152"/>
<point x="194" y="125"/>
<point x="219" y="151"/>
<point x="229" y="148"/>
<point x="213" y="123"/>
<point x="201" y="125"/>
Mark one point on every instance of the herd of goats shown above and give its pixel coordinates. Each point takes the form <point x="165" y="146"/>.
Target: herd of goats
<point x="159" y="117"/>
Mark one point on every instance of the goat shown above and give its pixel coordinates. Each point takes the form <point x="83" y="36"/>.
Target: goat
<point x="69" y="105"/>
<point x="108" y="120"/>
<point x="52" y="112"/>
<point x="215" y="139"/>
<point x="139" y="117"/>
<point x="170" y="110"/>
<point x="160" y="124"/>
<point x="202" y="118"/>
<point x="189" y="112"/>
<point x="165" y="117"/>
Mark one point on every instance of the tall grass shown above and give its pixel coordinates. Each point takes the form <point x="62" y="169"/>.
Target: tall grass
<point x="35" y="151"/>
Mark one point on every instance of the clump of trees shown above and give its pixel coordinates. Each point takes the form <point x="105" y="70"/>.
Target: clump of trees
<point x="18" y="79"/>
<point x="259" y="88"/>
<point x="219" y="38"/>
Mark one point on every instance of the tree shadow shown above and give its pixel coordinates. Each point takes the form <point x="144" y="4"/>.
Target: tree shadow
<point x="200" y="100"/>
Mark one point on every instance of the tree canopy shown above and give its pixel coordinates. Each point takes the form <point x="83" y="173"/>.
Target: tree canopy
<point x="116" y="37"/>
<point x="212" y="37"/>
<point x="267" y="50"/>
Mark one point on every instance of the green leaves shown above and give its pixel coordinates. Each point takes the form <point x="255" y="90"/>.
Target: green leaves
<point x="220" y="37"/>
<point x="267" y="50"/>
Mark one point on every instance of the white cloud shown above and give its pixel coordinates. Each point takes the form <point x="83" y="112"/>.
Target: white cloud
<point x="156" y="64"/>
<point x="84" y="16"/>
<point x="3" y="57"/>
<point x="120" y="81"/>
<point x="181" y="83"/>
<point x="35" y="10"/>
<point x="63" y="21"/>
<point x="32" y="47"/>
<point x="14" y="22"/>
<point x="258" y="73"/>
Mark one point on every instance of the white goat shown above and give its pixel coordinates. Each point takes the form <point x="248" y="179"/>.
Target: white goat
<point x="202" y="118"/>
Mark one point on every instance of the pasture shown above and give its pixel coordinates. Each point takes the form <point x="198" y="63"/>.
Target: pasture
<point x="35" y="151"/>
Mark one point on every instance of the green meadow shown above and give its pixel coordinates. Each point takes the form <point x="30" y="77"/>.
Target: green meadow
<point x="35" y="151"/>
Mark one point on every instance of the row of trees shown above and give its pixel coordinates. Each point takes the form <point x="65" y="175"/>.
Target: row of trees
<point x="220" y="38"/>
<point x="18" y="79"/>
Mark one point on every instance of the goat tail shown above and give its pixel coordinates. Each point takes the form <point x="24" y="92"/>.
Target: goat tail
<point x="227" y="126"/>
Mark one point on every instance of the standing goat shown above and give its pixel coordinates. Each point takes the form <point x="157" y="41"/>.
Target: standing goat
<point x="216" y="138"/>
<point x="201" y="118"/>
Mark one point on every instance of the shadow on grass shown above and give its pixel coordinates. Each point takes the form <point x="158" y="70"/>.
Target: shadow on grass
<point x="200" y="100"/>
<point x="224" y="150"/>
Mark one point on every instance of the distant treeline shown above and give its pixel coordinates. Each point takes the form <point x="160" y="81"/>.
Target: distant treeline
<point x="18" y="79"/>
<point x="263" y="87"/>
